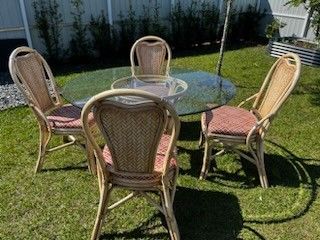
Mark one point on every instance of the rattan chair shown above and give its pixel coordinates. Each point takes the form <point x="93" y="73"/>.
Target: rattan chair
<point x="138" y="156"/>
<point x="150" y="53"/>
<point x="34" y="78"/>
<point x="232" y="126"/>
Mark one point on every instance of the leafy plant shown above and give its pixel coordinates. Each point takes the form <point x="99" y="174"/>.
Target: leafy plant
<point x="314" y="7"/>
<point x="79" y="44"/>
<point x="177" y="17"/>
<point x="208" y="22"/>
<point x="244" y="25"/>
<point x="151" y="25"/>
<point x="248" y="23"/>
<point x="195" y="25"/>
<point x="272" y="30"/>
<point x="49" y="24"/>
<point x="102" y="35"/>
<point x="128" y="30"/>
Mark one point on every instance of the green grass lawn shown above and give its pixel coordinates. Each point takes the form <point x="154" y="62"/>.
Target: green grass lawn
<point x="61" y="201"/>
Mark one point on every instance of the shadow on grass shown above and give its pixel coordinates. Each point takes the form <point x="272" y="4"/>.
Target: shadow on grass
<point x="200" y="215"/>
<point x="312" y="89"/>
<point x="207" y="214"/>
<point x="283" y="168"/>
<point x="67" y="168"/>
<point x="190" y="131"/>
<point x="306" y="176"/>
<point x="141" y="232"/>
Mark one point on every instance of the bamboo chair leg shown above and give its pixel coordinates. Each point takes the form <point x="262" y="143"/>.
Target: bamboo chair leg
<point x="91" y="158"/>
<point x="169" y="214"/>
<point x="44" y="140"/>
<point x="260" y="154"/>
<point x="174" y="187"/>
<point x="104" y="196"/>
<point x="206" y="160"/>
<point x="201" y="139"/>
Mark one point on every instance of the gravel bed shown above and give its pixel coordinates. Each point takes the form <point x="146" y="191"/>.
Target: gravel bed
<point x="10" y="96"/>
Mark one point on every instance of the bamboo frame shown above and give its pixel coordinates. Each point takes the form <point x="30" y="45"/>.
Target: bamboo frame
<point x="37" y="84"/>
<point x="120" y="175"/>
<point x="150" y="44"/>
<point x="277" y="86"/>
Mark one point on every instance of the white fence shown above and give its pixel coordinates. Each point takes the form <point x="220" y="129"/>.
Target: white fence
<point x="17" y="16"/>
<point x="295" y="18"/>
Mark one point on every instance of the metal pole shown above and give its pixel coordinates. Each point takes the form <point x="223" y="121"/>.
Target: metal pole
<point x="25" y="23"/>
<point x="110" y="17"/>
<point x="224" y="36"/>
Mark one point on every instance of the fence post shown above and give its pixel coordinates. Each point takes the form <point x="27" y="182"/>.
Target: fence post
<point x="258" y="4"/>
<point x="110" y="17"/>
<point x="25" y="23"/>
<point x="305" y="26"/>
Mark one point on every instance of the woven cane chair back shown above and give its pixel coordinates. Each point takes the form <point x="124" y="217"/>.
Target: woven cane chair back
<point x="132" y="131"/>
<point x="132" y="134"/>
<point x="34" y="78"/>
<point x="150" y="52"/>
<point x="278" y="84"/>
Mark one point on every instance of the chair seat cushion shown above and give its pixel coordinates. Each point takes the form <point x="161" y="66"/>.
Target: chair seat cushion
<point x="153" y="178"/>
<point x="67" y="117"/>
<point x="227" y="120"/>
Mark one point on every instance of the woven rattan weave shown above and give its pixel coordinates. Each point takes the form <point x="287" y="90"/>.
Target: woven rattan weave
<point x="232" y="126"/>
<point x="138" y="156"/>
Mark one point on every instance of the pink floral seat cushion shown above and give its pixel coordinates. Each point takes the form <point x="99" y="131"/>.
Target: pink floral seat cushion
<point x="155" y="177"/>
<point x="227" y="120"/>
<point x="67" y="117"/>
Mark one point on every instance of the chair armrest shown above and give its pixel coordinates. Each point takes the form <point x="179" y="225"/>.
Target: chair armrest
<point x="248" y="99"/>
<point x="261" y="124"/>
<point x="41" y="117"/>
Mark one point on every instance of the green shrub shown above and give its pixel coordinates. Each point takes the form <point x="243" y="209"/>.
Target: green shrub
<point x="49" y="24"/>
<point x="151" y="25"/>
<point x="79" y="44"/>
<point x="102" y="35"/>
<point x="128" y="31"/>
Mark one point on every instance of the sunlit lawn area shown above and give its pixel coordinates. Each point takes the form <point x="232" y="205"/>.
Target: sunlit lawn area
<point x="61" y="201"/>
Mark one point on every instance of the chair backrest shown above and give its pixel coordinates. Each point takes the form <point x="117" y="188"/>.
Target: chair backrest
<point x="34" y="78"/>
<point x="132" y="131"/>
<point x="278" y="84"/>
<point x="150" y="52"/>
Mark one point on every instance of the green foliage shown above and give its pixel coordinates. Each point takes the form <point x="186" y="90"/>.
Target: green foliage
<point x="248" y="23"/>
<point x="102" y="35"/>
<point x="150" y="22"/>
<point x="79" y="44"/>
<point x="314" y="6"/>
<point x="272" y="29"/>
<point x="128" y="30"/>
<point x="244" y="25"/>
<point x="49" y="24"/>
<point x="194" y="25"/>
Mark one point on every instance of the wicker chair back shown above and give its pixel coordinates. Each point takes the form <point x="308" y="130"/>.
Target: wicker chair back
<point x="150" y="53"/>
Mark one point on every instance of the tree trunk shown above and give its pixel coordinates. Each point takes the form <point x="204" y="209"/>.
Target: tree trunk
<point x="224" y="37"/>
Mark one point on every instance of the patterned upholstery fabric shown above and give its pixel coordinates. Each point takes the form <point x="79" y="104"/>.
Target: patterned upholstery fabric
<point x="227" y="120"/>
<point x="156" y="176"/>
<point x="67" y="117"/>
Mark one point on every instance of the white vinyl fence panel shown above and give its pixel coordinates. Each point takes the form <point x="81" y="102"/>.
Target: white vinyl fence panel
<point x="295" y="18"/>
<point x="12" y="25"/>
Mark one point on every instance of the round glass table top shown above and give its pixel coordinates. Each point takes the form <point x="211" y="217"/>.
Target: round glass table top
<point x="204" y="91"/>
